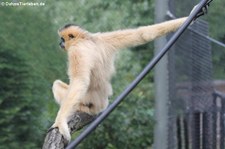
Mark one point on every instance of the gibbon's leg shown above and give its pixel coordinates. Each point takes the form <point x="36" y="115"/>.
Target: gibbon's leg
<point x="79" y="73"/>
<point x="134" y="37"/>
<point x="59" y="90"/>
<point x="70" y="104"/>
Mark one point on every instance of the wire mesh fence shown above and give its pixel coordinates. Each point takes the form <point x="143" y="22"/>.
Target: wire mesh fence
<point x="196" y="115"/>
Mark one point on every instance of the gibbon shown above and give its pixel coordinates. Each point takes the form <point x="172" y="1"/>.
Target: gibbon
<point x="91" y="65"/>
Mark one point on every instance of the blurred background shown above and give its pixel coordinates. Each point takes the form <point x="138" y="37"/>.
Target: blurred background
<point x="30" y="60"/>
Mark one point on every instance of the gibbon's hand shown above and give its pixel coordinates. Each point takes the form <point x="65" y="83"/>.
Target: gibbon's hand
<point x="204" y="9"/>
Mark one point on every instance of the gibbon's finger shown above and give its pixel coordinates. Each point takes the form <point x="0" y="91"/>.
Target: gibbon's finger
<point x="201" y="13"/>
<point x="206" y="9"/>
<point x="63" y="129"/>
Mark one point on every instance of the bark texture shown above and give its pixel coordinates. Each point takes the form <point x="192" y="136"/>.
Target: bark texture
<point x="54" y="140"/>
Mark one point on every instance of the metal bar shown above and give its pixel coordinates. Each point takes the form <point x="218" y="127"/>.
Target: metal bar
<point x="209" y="131"/>
<point x="186" y="132"/>
<point x="197" y="142"/>
<point x="172" y="16"/>
<point x="209" y="38"/>
<point x="219" y="102"/>
<point x="179" y="133"/>
<point x="136" y="81"/>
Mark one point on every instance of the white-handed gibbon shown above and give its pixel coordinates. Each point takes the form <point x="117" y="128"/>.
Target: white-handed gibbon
<point x="91" y="65"/>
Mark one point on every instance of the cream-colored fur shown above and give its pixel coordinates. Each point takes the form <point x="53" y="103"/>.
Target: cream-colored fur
<point x="91" y="65"/>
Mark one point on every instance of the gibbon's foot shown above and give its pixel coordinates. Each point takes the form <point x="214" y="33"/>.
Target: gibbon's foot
<point x="63" y="129"/>
<point x="61" y="120"/>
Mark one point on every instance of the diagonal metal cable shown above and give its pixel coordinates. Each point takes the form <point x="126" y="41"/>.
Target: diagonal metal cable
<point x="138" y="79"/>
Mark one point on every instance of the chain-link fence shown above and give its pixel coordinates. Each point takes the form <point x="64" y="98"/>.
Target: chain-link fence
<point x="196" y="109"/>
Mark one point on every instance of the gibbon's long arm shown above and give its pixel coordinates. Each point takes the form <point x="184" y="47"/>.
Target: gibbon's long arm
<point x="134" y="37"/>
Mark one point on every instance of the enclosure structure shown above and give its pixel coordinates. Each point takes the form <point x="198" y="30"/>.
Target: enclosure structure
<point x="194" y="117"/>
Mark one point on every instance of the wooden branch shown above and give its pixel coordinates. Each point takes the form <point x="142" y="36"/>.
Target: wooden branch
<point x="54" y="140"/>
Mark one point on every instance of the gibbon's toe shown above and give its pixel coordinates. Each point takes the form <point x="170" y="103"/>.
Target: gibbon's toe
<point x="63" y="129"/>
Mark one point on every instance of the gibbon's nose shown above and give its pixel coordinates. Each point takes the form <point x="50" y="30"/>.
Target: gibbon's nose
<point x="62" y="45"/>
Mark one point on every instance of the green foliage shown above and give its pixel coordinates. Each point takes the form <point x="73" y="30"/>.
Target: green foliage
<point x="216" y="20"/>
<point x="14" y="106"/>
<point x="26" y="75"/>
<point x="217" y="31"/>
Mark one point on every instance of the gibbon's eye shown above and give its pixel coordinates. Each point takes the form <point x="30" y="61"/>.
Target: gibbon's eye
<point x="71" y="36"/>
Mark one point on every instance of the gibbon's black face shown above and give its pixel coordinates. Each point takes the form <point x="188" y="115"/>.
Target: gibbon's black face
<point x="62" y="43"/>
<point x="62" y="40"/>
